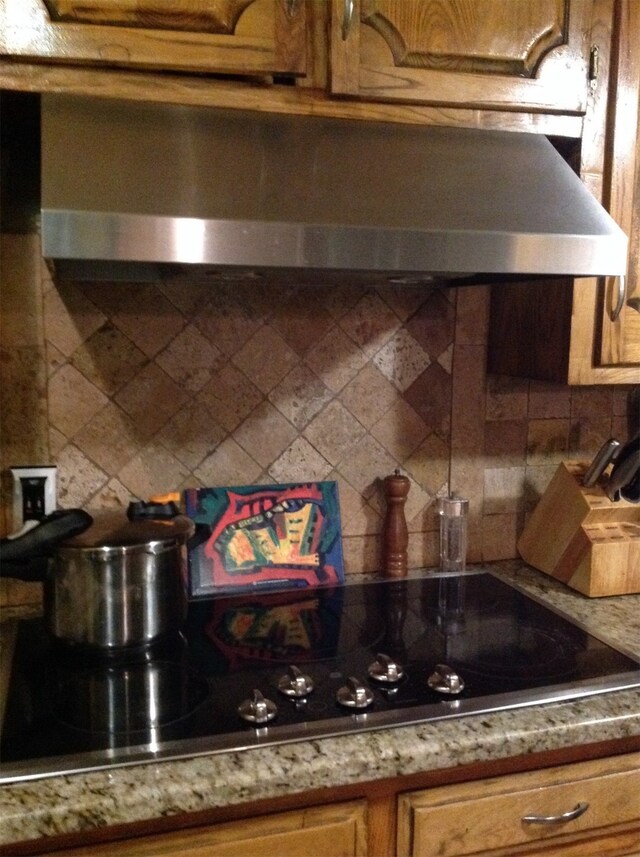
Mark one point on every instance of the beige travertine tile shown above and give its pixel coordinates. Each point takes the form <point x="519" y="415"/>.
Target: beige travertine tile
<point x="190" y="359"/>
<point x="589" y="401"/>
<point x="548" y="441"/>
<point x="228" y="465"/>
<point x="537" y="479"/>
<point x="367" y="463"/>
<point x="151" y="399"/>
<point x="192" y="434"/>
<point x="334" y="432"/>
<point x="78" y="478"/>
<point x="340" y="299"/>
<point x="265" y="358"/>
<point x="446" y="359"/>
<point x="230" y="397"/>
<point x="358" y="517"/>
<point x="300" y="462"/>
<point x="265" y="434"/>
<point x="370" y="323"/>
<point x="505" y="443"/>
<point x="549" y="401"/>
<point x="433" y="324"/>
<point x="336" y="359"/>
<point x="429" y="465"/>
<point x="472" y="315"/>
<point x="430" y="397"/>
<point x="499" y="536"/>
<point x="108" y="359"/>
<point x="153" y="471"/>
<point x="187" y="295"/>
<point x="404" y="300"/>
<point x="368" y="395"/>
<point x="21" y="320"/>
<point x="302" y="320"/>
<point x="424" y="546"/>
<point x="227" y="322"/>
<point x="23" y="406"/>
<point x="300" y="396"/>
<point x="503" y="490"/>
<point x="70" y="318"/>
<point x="362" y="554"/>
<point x="586" y="436"/>
<point x="507" y="398"/>
<point x="110" y="438"/>
<point x="400" y="430"/>
<point x="57" y="442"/>
<point x="73" y="400"/>
<point x="401" y="359"/>
<point x="141" y="312"/>
<point x="54" y="358"/>
<point x="113" y="495"/>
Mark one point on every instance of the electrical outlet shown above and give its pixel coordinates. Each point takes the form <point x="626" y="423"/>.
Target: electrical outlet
<point x="34" y="493"/>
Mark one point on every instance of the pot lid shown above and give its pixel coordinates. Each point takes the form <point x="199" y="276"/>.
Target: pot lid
<point x="113" y="529"/>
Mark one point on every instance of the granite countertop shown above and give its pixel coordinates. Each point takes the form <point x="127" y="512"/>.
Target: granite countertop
<point x="78" y="802"/>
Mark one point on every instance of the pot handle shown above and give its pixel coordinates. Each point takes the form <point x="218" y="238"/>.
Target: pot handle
<point x="141" y="509"/>
<point x="25" y="556"/>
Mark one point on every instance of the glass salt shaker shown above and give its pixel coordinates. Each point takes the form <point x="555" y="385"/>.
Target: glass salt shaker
<point x="453" y="512"/>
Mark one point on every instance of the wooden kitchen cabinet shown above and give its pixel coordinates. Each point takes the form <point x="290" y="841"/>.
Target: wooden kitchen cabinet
<point x="486" y="817"/>
<point x="239" y="37"/>
<point x="486" y="54"/>
<point x="338" y="830"/>
<point x="568" y="331"/>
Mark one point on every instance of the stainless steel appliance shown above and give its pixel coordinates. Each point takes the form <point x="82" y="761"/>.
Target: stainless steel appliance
<point x="266" y="668"/>
<point x="132" y="190"/>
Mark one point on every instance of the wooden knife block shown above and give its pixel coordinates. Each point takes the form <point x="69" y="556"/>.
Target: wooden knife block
<point x="582" y="538"/>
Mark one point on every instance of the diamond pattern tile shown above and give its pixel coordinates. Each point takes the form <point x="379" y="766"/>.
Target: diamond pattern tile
<point x="370" y="323"/>
<point x="265" y="358"/>
<point x="73" y="400"/>
<point x="108" y="359"/>
<point x="401" y="359"/>
<point x="151" y="398"/>
<point x="300" y="395"/>
<point x="265" y="434"/>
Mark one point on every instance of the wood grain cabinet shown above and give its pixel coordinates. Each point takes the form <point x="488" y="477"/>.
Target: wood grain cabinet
<point x="240" y="37"/>
<point x="486" y="54"/>
<point x="589" y="809"/>
<point x="331" y="831"/>
<point x="588" y="331"/>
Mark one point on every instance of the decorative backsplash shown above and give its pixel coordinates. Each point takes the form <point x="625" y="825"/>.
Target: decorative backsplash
<point x="136" y="389"/>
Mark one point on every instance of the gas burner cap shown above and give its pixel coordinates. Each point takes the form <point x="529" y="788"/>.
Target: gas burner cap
<point x="355" y="694"/>
<point x="295" y="684"/>
<point x="384" y="669"/>
<point x="445" y="680"/>
<point x="257" y="710"/>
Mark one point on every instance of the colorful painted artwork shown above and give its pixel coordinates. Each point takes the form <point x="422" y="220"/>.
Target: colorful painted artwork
<point x="264" y="536"/>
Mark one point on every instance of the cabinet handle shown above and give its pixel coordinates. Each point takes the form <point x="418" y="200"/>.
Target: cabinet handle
<point x="347" y="17"/>
<point x="576" y="812"/>
<point x="621" y="297"/>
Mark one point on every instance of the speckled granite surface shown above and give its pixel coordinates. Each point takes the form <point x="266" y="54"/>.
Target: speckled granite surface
<point x="54" y="805"/>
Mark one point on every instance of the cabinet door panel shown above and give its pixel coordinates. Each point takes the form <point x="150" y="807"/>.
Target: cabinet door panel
<point x="338" y="830"/>
<point x="524" y="54"/>
<point x="228" y="36"/>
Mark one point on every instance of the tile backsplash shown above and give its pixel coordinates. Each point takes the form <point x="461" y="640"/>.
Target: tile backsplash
<point x="136" y="389"/>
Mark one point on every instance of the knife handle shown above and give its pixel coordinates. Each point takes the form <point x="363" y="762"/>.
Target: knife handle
<point x="604" y="456"/>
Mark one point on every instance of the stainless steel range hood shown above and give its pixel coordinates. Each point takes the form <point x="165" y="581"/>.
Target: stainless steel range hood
<point x="129" y="188"/>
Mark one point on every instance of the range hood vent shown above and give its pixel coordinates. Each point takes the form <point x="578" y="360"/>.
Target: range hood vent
<point x="131" y="188"/>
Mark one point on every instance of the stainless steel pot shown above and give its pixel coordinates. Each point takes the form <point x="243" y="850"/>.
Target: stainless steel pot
<point x="111" y="580"/>
<point x="120" y="583"/>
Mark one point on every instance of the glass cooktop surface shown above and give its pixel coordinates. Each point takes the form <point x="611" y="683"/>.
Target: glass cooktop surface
<point x="266" y="668"/>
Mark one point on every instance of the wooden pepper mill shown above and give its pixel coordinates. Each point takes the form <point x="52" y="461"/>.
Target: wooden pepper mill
<point x="395" y="536"/>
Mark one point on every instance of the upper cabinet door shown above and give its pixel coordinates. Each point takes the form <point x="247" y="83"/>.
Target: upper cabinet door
<point x="493" y="54"/>
<point x="227" y="36"/>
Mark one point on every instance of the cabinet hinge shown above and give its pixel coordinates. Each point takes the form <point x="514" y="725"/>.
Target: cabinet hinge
<point x="594" y="66"/>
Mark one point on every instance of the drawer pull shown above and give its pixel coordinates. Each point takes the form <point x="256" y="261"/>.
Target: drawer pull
<point x="576" y="812"/>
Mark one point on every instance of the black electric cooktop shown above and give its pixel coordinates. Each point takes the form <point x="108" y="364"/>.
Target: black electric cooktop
<point x="266" y="668"/>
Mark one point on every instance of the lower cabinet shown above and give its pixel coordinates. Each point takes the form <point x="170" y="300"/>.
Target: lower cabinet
<point x="589" y="809"/>
<point x="338" y="830"/>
